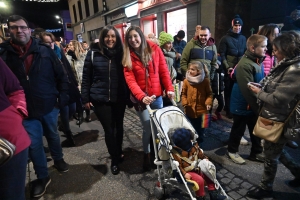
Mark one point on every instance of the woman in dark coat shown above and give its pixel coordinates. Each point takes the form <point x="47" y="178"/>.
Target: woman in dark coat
<point x="278" y="97"/>
<point x="103" y="85"/>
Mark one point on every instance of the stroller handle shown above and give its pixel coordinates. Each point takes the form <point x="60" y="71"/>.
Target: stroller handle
<point x="150" y="110"/>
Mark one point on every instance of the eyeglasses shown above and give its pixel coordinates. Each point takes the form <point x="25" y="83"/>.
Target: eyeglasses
<point x="203" y="35"/>
<point x="23" y="28"/>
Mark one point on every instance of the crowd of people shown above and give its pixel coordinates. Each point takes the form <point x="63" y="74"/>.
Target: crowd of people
<point x="47" y="79"/>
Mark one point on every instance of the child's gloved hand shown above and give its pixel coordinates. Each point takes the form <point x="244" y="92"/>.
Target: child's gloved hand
<point x="187" y="176"/>
<point x="208" y="107"/>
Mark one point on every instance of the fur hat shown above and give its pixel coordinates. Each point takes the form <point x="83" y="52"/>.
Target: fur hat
<point x="296" y="13"/>
<point x="182" y="138"/>
<point x="237" y="20"/>
<point x="181" y="34"/>
<point x="164" y="38"/>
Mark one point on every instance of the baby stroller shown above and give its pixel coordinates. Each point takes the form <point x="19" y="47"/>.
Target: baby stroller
<point x="171" y="117"/>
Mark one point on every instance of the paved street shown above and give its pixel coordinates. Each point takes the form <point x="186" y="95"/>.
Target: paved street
<point x="89" y="176"/>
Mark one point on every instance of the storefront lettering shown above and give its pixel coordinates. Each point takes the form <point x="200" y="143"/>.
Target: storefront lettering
<point x="150" y="3"/>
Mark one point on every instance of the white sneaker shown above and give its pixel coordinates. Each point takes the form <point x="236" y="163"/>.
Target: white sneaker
<point x="244" y="141"/>
<point x="236" y="158"/>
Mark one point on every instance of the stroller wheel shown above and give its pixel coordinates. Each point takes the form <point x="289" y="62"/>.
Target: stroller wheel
<point x="159" y="192"/>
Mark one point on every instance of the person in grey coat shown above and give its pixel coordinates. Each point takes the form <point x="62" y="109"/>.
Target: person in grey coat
<point x="278" y="96"/>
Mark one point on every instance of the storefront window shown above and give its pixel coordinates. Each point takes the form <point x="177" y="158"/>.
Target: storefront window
<point x="176" y="21"/>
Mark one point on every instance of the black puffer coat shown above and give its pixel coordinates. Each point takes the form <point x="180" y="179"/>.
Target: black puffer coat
<point x="103" y="78"/>
<point x="231" y="48"/>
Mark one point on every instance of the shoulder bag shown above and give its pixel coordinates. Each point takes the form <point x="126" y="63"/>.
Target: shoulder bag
<point x="7" y="150"/>
<point x="270" y="130"/>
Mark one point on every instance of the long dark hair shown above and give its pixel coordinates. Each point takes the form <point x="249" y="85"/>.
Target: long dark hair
<point x="103" y="34"/>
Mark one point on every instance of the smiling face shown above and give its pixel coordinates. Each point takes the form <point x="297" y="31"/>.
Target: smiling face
<point x="110" y="39"/>
<point x="236" y="28"/>
<point x="134" y="40"/>
<point x="167" y="46"/>
<point x="261" y="49"/>
<point x="193" y="70"/>
<point x="279" y="56"/>
<point x="71" y="46"/>
<point x="19" y="32"/>
<point x="204" y="36"/>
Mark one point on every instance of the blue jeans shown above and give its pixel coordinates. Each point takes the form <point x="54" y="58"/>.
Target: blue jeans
<point x="65" y="114"/>
<point x="36" y="128"/>
<point x="12" y="177"/>
<point x="145" y="120"/>
<point x="197" y="124"/>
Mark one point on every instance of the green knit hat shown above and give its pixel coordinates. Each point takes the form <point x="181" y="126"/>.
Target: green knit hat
<point x="164" y="38"/>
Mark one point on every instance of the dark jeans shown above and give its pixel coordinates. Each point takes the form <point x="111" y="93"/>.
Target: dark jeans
<point x="111" y="117"/>
<point x="228" y="83"/>
<point x="220" y="100"/>
<point x="197" y="124"/>
<point x="12" y="177"/>
<point x="237" y="132"/>
<point x="65" y="114"/>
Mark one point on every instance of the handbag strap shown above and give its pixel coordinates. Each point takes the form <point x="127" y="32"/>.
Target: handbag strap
<point x="291" y="112"/>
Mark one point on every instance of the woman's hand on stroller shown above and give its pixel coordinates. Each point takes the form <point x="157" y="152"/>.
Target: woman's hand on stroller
<point x="148" y="100"/>
<point x="171" y="94"/>
<point x="187" y="176"/>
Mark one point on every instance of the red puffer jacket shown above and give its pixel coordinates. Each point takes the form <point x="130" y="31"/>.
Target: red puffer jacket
<point x="158" y="74"/>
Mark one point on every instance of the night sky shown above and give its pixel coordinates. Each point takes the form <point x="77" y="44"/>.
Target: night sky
<point x="37" y="13"/>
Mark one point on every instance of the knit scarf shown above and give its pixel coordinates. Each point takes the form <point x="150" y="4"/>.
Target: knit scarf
<point x="194" y="80"/>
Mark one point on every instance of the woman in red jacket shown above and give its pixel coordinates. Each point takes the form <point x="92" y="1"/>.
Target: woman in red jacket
<point x="12" y="112"/>
<point x="145" y="70"/>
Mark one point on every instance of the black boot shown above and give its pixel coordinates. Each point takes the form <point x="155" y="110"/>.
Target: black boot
<point x="88" y="115"/>
<point x="114" y="166"/>
<point x="39" y="186"/>
<point x="146" y="162"/>
<point x="214" y="195"/>
<point x="70" y="138"/>
<point x="259" y="193"/>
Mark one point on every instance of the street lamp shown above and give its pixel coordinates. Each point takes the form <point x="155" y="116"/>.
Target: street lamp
<point x="2" y="4"/>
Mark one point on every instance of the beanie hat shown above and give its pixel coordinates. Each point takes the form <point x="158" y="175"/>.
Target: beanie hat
<point x="237" y="20"/>
<point x="296" y="14"/>
<point x="182" y="139"/>
<point x="164" y="38"/>
<point x="181" y="34"/>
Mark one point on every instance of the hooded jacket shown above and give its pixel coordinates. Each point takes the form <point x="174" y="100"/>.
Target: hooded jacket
<point x="158" y="75"/>
<point x="46" y="84"/>
<point x="232" y="47"/>
<point x="178" y="46"/>
<point x="194" y="51"/>
<point x="249" y="69"/>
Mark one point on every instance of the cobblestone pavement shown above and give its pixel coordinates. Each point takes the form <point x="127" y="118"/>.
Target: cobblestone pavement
<point x="89" y="176"/>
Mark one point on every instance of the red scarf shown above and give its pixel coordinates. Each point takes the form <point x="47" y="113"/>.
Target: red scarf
<point x="22" y="50"/>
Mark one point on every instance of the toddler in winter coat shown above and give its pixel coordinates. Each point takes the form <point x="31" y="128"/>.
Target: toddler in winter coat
<point x="187" y="156"/>
<point x="196" y="96"/>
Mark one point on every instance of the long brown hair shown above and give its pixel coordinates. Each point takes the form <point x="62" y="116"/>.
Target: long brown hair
<point x="145" y="50"/>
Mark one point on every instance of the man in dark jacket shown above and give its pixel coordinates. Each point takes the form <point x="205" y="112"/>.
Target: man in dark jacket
<point x="178" y="45"/>
<point x="232" y="47"/>
<point x="45" y="85"/>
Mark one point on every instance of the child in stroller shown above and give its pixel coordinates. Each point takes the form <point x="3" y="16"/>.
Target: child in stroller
<point x="188" y="155"/>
